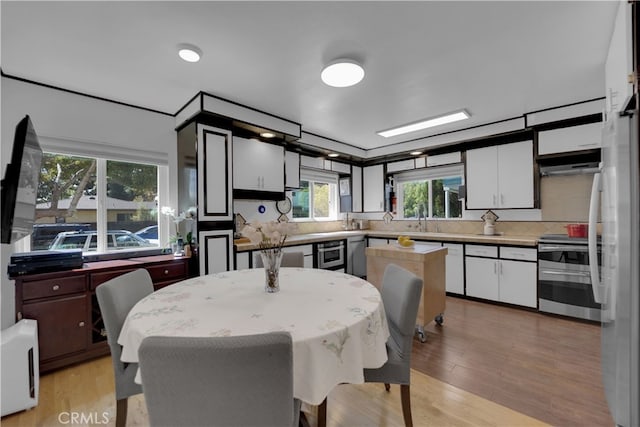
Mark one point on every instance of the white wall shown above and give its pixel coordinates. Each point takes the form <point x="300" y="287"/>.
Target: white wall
<point x="60" y="115"/>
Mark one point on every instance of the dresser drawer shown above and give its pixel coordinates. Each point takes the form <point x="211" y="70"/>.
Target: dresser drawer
<point x="52" y="287"/>
<point x="99" y="278"/>
<point x="161" y="273"/>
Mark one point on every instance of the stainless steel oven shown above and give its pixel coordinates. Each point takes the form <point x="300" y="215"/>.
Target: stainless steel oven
<point x="564" y="281"/>
<point x="331" y="255"/>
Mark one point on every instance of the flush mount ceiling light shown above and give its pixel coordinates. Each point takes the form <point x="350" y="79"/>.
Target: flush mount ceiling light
<point x="189" y="52"/>
<point x="342" y="73"/>
<point x="426" y="123"/>
<point x="333" y="154"/>
<point x="267" y="134"/>
<point x="415" y="153"/>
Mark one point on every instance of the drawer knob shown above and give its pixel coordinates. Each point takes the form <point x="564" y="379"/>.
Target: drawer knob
<point x="166" y="272"/>
<point x="55" y="287"/>
<point x="81" y="324"/>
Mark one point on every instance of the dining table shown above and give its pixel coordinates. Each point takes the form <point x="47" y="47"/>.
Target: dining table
<point x="337" y="321"/>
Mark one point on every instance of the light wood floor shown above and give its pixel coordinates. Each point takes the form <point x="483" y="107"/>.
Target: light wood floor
<point x="487" y="365"/>
<point x="544" y="366"/>
<point x="88" y="389"/>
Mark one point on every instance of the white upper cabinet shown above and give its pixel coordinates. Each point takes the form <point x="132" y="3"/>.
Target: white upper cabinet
<point x="500" y="177"/>
<point x="574" y="138"/>
<point x="343" y="168"/>
<point x="373" y="184"/>
<point x="356" y="189"/>
<point x="292" y="170"/>
<point x="257" y="165"/>
<point x="401" y="165"/>
<point x="214" y="164"/>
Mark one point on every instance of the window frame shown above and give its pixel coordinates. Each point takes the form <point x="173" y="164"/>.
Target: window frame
<point x="313" y="176"/>
<point x="429" y="175"/>
<point x="155" y="159"/>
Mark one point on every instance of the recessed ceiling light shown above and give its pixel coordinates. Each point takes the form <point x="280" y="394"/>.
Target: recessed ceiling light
<point x="333" y="154"/>
<point x="342" y="73"/>
<point x="189" y="52"/>
<point x="415" y="153"/>
<point x="267" y="134"/>
<point x="426" y="123"/>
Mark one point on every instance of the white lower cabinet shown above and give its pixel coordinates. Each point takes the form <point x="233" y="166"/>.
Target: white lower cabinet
<point x="307" y="250"/>
<point x="455" y="268"/>
<point x="377" y="241"/>
<point x="518" y="283"/>
<point x="482" y="278"/>
<point x="504" y="280"/>
<point x="242" y="260"/>
<point x="216" y="251"/>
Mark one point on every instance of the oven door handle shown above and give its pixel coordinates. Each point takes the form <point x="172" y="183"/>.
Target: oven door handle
<point x="566" y="273"/>
<point x="561" y="248"/>
<point x="331" y="249"/>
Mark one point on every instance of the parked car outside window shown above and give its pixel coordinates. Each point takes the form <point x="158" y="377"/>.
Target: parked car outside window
<point x="150" y="234"/>
<point x="88" y="240"/>
<point x="44" y="234"/>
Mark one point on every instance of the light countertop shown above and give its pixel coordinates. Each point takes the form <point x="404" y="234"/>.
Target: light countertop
<point x="302" y="239"/>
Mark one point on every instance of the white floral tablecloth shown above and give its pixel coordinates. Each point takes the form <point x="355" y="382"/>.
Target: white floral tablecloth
<point x="336" y="320"/>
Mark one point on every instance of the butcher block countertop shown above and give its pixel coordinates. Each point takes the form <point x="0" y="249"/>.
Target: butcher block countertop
<point x="302" y="239"/>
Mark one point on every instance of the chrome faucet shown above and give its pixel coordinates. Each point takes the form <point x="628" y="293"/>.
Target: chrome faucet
<point x="346" y="224"/>
<point x="422" y="221"/>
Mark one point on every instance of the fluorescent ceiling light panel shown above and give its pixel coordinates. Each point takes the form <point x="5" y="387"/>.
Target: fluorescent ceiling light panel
<point x="424" y="124"/>
<point x="342" y="73"/>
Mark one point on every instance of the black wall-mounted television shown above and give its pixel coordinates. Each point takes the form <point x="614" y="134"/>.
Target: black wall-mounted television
<point x="20" y="184"/>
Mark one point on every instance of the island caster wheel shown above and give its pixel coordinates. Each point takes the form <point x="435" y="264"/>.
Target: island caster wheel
<point x="421" y="334"/>
<point x="439" y="319"/>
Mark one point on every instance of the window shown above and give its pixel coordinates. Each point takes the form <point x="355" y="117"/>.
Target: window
<point x="430" y="193"/>
<point x="94" y="204"/>
<point x="317" y="197"/>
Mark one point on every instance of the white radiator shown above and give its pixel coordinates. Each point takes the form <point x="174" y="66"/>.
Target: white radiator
<point x="20" y="370"/>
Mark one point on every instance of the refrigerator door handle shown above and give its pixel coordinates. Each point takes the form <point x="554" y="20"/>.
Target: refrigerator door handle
<point x="594" y="206"/>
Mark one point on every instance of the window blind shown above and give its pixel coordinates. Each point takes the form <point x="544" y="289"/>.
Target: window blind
<point x="430" y="173"/>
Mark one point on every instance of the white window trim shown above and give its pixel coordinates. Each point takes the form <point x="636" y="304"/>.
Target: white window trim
<point x="97" y="151"/>
<point x="315" y="175"/>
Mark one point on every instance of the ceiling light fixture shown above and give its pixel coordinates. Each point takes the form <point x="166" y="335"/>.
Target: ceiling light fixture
<point x="342" y="73"/>
<point x="415" y="153"/>
<point x="267" y="134"/>
<point x="426" y="123"/>
<point x="189" y="52"/>
<point x="333" y="154"/>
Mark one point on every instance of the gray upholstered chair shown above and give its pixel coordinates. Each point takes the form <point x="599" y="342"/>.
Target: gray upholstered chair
<point x="289" y="259"/>
<point x="401" y="292"/>
<point x="116" y="297"/>
<point x="219" y="381"/>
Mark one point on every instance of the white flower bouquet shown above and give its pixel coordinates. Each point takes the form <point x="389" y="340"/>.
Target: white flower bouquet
<point x="268" y="235"/>
<point x="171" y="213"/>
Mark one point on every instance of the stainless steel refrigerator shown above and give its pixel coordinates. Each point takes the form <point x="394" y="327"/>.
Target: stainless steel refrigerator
<point x="616" y="282"/>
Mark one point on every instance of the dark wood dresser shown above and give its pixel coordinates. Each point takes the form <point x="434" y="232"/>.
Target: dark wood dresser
<point x="70" y="327"/>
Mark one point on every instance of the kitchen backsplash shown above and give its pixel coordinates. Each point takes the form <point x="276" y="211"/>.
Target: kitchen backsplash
<point x="565" y="197"/>
<point x="515" y="228"/>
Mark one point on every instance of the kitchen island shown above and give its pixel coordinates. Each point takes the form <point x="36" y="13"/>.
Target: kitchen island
<point x="425" y="261"/>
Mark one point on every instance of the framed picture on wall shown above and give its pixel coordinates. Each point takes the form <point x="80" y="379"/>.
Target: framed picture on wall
<point x="345" y="186"/>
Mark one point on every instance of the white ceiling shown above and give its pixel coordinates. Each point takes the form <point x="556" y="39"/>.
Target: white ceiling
<point x="498" y="60"/>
